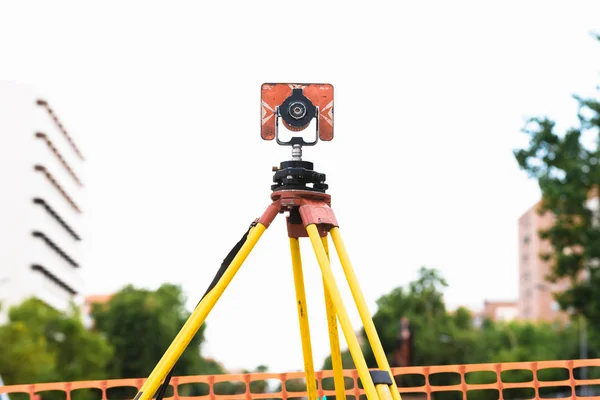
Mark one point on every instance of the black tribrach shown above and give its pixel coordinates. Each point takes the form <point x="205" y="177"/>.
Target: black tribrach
<point x="297" y="175"/>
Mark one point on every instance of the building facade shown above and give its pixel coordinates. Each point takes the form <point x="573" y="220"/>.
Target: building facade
<point x="42" y="202"/>
<point x="536" y="302"/>
<point x="500" y="311"/>
<point x="87" y="307"/>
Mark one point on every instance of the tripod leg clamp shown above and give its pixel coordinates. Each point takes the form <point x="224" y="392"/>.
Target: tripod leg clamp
<point x="380" y="377"/>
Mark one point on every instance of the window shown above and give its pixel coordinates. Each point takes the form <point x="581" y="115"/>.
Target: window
<point x="526" y="239"/>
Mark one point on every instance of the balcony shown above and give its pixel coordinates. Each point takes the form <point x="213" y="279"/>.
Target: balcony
<point x="52" y="293"/>
<point x="45" y="187"/>
<point x="43" y="219"/>
<point x="47" y="121"/>
<point x="56" y="261"/>
<point x="68" y="191"/>
<point x="46" y="153"/>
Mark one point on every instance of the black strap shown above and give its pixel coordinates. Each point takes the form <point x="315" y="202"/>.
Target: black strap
<point x="224" y="265"/>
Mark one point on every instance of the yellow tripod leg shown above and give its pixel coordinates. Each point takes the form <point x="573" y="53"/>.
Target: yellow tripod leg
<point x="336" y="298"/>
<point x="334" y="340"/>
<point x="384" y="392"/>
<point x="196" y="319"/>
<point x="309" y="369"/>
<point x="361" y="305"/>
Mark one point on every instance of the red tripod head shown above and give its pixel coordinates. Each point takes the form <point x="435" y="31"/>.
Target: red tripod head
<point x="296" y="104"/>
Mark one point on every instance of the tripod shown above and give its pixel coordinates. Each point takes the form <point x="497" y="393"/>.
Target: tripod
<point x="300" y="191"/>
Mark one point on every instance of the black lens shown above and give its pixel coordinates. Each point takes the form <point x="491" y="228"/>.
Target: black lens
<point x="297" y="110"/>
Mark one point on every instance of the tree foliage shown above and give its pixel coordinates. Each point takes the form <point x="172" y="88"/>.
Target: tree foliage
<point x="136" y="326"/>
<point x="567" y="168"/>
<point x="141" y="324"/>
<point x="130" y="334"/>
<point x="40" y="344"/>
<point x="442" y="337"/>
<point x="24" y="356"/>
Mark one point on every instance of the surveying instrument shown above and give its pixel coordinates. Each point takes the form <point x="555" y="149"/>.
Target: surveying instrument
<point x="299" y="191"/>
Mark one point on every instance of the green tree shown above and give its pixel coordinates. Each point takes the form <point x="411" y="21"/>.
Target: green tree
<point x="141" y="324"/>
<point x="422" y="302"/>
<point x="24" y="357"/>
<point x="443" y="337"/>
<point x="567" y="168"/>
<point x="525" y="341"/>
<point x="41" y="344"/>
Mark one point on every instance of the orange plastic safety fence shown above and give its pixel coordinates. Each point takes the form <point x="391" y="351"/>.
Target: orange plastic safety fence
<point x="523" y="380"/>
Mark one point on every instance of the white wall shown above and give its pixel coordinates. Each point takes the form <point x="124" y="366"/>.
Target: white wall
<point x="20" y="119"/>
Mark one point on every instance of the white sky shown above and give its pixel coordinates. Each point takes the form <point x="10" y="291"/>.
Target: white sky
<point x="430" y="100"/>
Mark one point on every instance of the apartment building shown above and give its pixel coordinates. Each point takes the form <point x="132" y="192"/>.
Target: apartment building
<point x="535" y="302"/>
<point x="41" y="202"/>
<point x="504" y="311"/>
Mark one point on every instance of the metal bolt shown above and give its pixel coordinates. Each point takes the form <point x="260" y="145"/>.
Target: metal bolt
<point x="296" y="152"/>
